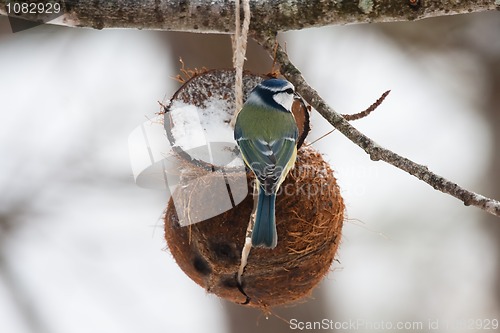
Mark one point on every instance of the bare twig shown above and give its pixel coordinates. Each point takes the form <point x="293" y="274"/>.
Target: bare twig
<point x="217" y="16"/>
<point x="371" y="108"/>
<point x="375" y="151"/>
<point x="356" y="116"/>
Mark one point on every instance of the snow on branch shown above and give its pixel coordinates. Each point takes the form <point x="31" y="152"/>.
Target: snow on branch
<point x="218" y="15"/>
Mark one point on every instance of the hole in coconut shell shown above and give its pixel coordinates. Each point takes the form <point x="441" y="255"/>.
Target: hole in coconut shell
<point x="226" y="252"/>
<point x="229" y="282"/>
<point x="201" y="266"/>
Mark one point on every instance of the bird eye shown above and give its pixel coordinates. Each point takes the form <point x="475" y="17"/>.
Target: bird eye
<point x="289" y="91"/>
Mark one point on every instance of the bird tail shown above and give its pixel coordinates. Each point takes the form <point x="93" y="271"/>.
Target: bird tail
<point x="264" y="230"/>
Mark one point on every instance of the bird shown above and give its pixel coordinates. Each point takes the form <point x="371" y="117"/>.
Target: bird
<point x="266" y="133"/>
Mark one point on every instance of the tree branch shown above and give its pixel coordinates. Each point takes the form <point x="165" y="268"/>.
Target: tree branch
<point x="218" y="15"/>
<point x="375" y="151"/>
<point x="269" y="17"/>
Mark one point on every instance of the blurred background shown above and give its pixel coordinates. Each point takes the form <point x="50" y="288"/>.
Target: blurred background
<point x="82" y="248"/>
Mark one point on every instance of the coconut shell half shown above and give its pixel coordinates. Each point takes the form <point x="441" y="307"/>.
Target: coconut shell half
<point x="203" y="91"/>
<point x="309" y="216"/>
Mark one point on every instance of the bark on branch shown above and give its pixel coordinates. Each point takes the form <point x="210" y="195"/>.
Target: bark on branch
<point x="218" y="15"/>
<point x="375" y="151"/>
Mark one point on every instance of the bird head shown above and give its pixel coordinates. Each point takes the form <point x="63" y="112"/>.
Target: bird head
<point x="278" y="94"/>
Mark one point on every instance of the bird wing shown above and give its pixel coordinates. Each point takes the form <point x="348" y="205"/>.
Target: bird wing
<point x="269" y="160"/>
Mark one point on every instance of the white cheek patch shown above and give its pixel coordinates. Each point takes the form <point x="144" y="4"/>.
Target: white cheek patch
<point x="284" y="99"/>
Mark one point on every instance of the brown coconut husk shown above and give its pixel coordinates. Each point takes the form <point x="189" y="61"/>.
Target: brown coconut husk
<point x="309" y="217"/>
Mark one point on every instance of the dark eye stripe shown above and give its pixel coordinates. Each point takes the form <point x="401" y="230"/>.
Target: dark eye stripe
<point x="289" y="91"/>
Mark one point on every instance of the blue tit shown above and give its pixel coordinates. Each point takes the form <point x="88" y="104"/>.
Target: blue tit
<point x="266" y="133"/>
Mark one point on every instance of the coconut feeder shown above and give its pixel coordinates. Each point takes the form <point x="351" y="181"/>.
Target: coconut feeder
<point x="208" y="213"/>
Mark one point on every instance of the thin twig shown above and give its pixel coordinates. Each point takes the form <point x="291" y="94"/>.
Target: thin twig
<point x="375" y="151"/>
<point x="320" y="138"/>
<point x="371" y="108"/>
<point x="356" y="116"/>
